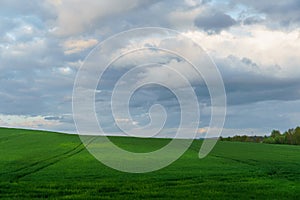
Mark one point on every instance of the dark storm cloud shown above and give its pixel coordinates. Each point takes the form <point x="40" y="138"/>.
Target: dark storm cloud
<point x="242" y="89"/>
<point x="35" y="96"/>
<point x="148" y="13"/>
<point x="261" y="89"/>
<point x="265" y="115"/>
<point x="252" y="20"/>
<point x="31" y="83"/>
<point x="245" y="85"/>
<point x="214" y="22"/>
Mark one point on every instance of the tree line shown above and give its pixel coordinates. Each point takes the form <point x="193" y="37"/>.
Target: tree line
<point x="291" y="136"/>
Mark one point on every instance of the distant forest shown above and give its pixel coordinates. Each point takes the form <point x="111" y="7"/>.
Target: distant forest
<point x="291" y="136"/>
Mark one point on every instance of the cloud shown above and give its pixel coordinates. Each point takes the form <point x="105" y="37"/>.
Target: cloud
<point x="22" y="121"/>
<point x="275" y="52"/>
<point x="65" y="70"/>
<point x="13" y="8"/>
<point x="278" y="14"/>
<point x="214" y="22"/>
<point x="202" y="130"/>
<point x="264" y="115"/>
<point x="126" y="121"/>
<point x="75" y="17"/>
<point x="252" y="20"/>
<point x="76" y="46"/>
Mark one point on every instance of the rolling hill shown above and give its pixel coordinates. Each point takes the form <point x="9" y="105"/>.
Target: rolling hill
<point x="40" y="164"/>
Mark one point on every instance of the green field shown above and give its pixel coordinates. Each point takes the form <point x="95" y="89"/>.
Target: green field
<point x="37" y="164"/>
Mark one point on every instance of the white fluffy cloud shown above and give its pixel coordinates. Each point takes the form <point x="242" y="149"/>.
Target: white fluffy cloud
<point x="76" y="46"/>
<point x="27" y="121"/>
<point x="76" y="16"/>
<point x="274" y="52"/>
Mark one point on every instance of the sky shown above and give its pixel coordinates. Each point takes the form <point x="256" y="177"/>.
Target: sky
<point x="254" y="44"/>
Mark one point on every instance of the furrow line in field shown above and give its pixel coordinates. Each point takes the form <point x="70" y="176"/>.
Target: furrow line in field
<point x="234" y="159"/>
<point x="43" y="160"/>
<point x="39" y="165"/>
<point x="5" y="138"/>
<point x="55" y="160"/>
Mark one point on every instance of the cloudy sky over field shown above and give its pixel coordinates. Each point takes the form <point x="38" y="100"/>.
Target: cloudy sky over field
<point x="255" y="45"/>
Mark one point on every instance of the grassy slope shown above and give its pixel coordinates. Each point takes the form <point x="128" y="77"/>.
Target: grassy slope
<point x="42" y="164"/>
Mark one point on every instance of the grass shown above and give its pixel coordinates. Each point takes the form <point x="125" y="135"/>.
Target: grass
<point x="38" y="164"/>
